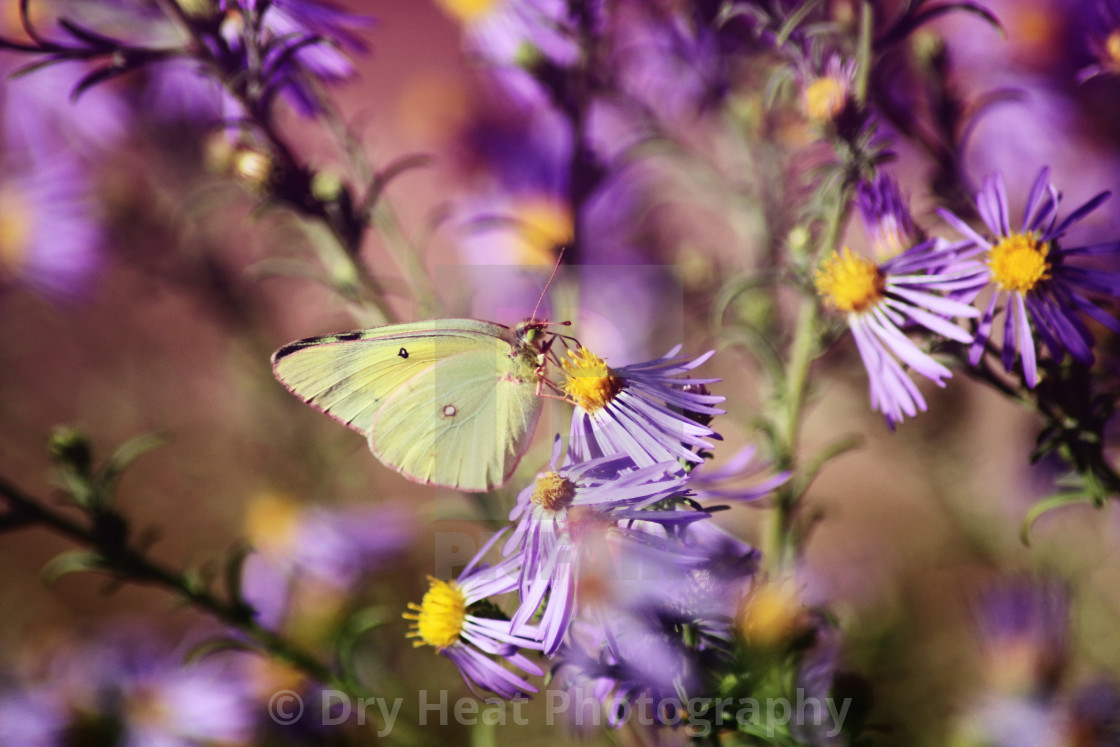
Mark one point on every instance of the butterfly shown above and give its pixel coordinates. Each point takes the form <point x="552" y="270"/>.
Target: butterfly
<point x="448" y="402"/>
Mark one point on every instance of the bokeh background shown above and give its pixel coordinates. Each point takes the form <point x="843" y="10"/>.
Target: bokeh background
<point x="172" y="328"/>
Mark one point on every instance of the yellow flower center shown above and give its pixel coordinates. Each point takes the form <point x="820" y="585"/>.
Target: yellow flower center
<point x="271" y="522"/>
<point x="543" y="225"/>
<point x="1112" y="46"/>
<point x="553" y="491"/>
<point x="771" y="615"/>
<point x="824" y="98"/>
<point x="468" y="11"/>
<point x="15" y="232"/>
<point x="848" y="282"/>
<point x="438" y="619"/>
<point x="1018" y="262"/>
<point x="590" y="382"/>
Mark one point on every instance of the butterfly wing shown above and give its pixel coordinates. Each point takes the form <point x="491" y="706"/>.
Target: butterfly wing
<point x="463" y="423"/>
<point x="393" y="385"/>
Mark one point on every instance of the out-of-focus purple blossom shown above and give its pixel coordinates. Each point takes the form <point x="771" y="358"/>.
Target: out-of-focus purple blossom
<point x="49" y="231"/>
<point x="561" y="518"/>
<point x="646" y="411"/>
<point x="666" y="65"/>
<point x="40" y="116"/>
<point x="516" y="32"/>
<point x="1023" y="626"/>
<point x="1104" y="40"/>
<point x="317" y="550"/>
<point x="34" y="718"/>
<point x="1043" y="290"/>
<point x="636" y="665"/>
<point x="715" y="483"/>
<point x="999" y="721"/>
<point x="879" y="299"/>
<point x="826" y="95"/>
<point x="886" y="217"/>
<point x="307" y="41"/>
<point x="132" y="685"/>
<point x="458" y="619"/>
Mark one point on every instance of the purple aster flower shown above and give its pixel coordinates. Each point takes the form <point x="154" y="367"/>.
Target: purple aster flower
<point x="312" y="557"/>
<point x="305" y="40"/>
<point x="563" y="516"/>
<point x="458" y="620"/>
<point x="827" y="96"/>
<point x="645" y="410"/>
<point x="34" y="718"/>
<point x="635" y="666"/>
<point x="713" y="483"/>
<point x="514" y="32"/>
<point x="1023" y="626"/>
<point x="1040" y="282"/>
<point x="49" y="234"/>
<point x="130" y="684"/>
<point x="41" y="118"/>
<point x="886" y="217"/>
<point x="1104" y="40"/>
<point x="999" y="721"/>
<point x="881" y="298"/>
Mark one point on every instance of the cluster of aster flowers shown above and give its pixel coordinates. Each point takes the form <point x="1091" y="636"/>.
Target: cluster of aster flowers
<point x="1043" y="289"/>
<point x="612" y="555"/>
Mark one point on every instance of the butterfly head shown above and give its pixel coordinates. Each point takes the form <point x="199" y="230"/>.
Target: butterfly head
<point x="532" y="339"/>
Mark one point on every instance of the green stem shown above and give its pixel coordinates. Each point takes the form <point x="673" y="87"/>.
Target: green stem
<point x="806" y="338"/>
<point x="129" y="564"/>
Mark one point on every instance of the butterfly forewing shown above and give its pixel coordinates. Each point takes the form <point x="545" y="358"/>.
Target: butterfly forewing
<point x="442" y="402"/>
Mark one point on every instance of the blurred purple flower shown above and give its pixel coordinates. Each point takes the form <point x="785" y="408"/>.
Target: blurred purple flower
<point x="1104" y="40"/>
<point x="561" y="517"/>
<point x="879" y="299"/>
<point x="49" y="231"/>
<point x="458" y="620"/>
<point x="1032" y="273"/>
<point x="666" y="64"/>
<point x="130" y="684"/>
<point x="319" y="549"/>
<point x="712" y="483"/>
<point x="886" y="217"/>
<point x="306" y="40"/>
<point x="1023" y="626"/>
<point x="515" y="32"/>
<point x="41" y="117"/>
<point x="645" y="410"/>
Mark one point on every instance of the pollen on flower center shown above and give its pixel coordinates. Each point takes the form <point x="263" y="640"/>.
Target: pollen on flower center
<point x="590" y="382"/>
<point x="1018" y="262"/>
<point x="848" y="282"/>
<point x="1112" y="46"/>
<point x="15" y="231"/>
<point x="468" y="10"/>
<point x="439" y="617"/>
<point x="553" y="491"/>
<point x="825" y="98"/>
<point x="543" y="224"/>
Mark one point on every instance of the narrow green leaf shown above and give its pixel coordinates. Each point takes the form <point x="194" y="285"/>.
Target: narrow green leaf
<point x="1045" y="506"/>
<point x="126" y="454"/>
<point x="71" y="561"/>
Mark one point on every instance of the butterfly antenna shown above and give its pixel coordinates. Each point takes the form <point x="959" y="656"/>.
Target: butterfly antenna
<point x="556" y="269"/>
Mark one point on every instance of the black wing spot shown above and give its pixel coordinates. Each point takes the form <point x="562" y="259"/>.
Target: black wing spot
<point x="348" y="336"/>
<point x="449" y="411"/>
<point x="403" y="353"/>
